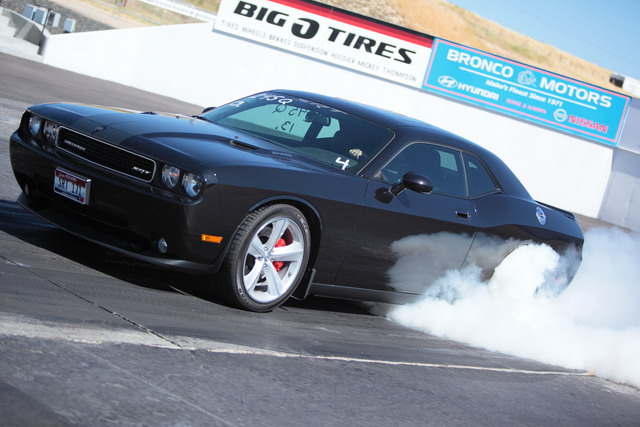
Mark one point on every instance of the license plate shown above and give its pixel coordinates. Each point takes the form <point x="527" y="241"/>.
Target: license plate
<point x="72" y="186"/>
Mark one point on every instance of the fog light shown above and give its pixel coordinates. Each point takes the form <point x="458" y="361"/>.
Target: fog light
<point x="162" y="246"/>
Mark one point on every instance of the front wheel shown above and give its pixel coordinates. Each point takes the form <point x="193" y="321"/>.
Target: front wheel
<point x="267" y="258"/>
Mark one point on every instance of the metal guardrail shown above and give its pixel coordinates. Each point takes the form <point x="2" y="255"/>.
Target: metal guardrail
<point x="118" y="8"/>
<point x="183" y="8"/>
<point x="179" y="7"/>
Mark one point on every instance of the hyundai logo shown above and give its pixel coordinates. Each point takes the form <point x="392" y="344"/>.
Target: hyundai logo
<point x="447" y="81"/>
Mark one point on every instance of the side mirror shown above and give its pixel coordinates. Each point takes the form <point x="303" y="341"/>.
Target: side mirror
<point x="206" y="110"/>
<point x="413" y="181"/>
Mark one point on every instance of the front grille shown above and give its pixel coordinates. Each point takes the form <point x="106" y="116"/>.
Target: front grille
<point x="106" y="155"/>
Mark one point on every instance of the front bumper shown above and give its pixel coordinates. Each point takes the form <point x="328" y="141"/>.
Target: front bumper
<point x="123" y="214"/>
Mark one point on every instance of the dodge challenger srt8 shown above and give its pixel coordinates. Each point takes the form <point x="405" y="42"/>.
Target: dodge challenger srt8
<point x="282" y="193"/>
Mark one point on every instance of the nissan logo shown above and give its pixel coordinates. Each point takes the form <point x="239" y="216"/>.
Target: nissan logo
<point x="447" y="81"/>
<point x="560" y="115"/>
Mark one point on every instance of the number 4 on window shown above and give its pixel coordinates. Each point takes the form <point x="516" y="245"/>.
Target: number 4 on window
<point x="344" y="162"/>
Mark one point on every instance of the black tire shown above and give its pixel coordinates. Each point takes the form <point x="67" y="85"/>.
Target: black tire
<point x="267" y="258"/>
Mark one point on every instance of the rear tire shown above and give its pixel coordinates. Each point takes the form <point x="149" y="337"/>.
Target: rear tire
<point x="267" y="258"/>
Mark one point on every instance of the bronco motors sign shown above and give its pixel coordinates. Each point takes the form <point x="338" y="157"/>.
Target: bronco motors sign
<point x="330" y="34"/>
<point x="520" y="90"/>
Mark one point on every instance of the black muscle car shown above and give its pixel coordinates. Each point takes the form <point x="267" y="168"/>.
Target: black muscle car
<point x="282" y="193"/>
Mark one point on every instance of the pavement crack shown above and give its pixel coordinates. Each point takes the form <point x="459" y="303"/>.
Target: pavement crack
<point x="164" y="390"/>
<point x="96" y="304"/>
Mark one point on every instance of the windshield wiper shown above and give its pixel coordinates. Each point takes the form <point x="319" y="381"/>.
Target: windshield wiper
<point x="197" y="116"/>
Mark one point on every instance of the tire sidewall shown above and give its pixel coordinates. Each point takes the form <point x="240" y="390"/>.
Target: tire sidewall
<point x="265" y="215"/>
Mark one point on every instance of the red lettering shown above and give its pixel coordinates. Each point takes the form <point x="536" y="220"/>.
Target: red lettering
<point x="590" y="124"/>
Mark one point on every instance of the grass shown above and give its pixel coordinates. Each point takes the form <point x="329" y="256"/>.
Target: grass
<point x="211" y="5"/>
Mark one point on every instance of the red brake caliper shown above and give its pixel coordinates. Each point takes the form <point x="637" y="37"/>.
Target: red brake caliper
<point x="279" y="264"/>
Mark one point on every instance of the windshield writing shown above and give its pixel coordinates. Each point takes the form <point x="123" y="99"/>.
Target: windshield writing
<point x="318" y="131"/>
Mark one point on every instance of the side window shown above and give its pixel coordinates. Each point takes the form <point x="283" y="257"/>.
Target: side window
<point x="479" y="180"/>
<point x="442" y="165"/>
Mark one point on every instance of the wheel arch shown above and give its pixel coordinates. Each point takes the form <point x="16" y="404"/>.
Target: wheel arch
<point x="310" y="213"/>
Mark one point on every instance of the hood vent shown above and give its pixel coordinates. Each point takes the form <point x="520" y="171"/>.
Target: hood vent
<point x="242" y="145"/>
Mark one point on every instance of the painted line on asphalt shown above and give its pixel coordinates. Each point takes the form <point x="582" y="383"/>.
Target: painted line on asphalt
<point x="22" y="326"/>
<point x="234" y="349"/>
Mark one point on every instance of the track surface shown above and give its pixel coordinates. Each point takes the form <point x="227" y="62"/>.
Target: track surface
<point x="89" y="337"/>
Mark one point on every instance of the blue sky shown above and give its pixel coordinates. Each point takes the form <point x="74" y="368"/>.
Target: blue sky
<point x="605" y="32"/>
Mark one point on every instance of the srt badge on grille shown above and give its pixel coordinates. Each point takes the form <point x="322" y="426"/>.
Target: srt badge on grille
<point x="140" y="170"/>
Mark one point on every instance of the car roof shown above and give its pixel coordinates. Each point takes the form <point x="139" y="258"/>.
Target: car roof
<point x="397" y="122"/>
<point x="409" y="128"/>
<point x="384" y="117"/>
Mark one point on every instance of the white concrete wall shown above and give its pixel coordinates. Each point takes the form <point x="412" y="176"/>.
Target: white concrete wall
<point x="193" y="64"/>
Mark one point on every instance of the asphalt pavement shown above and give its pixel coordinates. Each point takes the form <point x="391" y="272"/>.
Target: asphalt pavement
<point x="90" y="337"/>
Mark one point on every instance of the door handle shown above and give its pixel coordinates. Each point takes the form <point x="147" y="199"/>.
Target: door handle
<point x="463" y="214"/>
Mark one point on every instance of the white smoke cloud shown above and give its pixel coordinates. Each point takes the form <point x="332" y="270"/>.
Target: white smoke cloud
<point x="594" y="325"/>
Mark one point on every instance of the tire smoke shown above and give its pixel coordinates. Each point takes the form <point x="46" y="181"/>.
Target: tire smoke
<point x="594" y="325"/>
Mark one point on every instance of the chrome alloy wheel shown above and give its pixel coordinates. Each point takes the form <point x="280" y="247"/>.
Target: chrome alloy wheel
<point x="273" y="259"/>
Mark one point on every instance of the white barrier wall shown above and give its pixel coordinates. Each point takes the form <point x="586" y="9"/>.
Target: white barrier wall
<point x="193" y="64"/>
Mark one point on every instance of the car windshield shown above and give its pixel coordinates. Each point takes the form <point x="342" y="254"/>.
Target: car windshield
<point x="314" y="130"/>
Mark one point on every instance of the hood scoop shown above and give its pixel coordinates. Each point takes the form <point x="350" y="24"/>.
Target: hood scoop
<point x="242" y="145"/>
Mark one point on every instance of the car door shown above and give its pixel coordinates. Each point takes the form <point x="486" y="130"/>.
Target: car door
<point x="403" y="243"/>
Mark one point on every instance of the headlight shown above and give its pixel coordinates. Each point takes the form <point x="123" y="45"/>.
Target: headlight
<point x="170" y="176"/>
<point x="35" y="123"/>
<point x="192" y="184"/>
<point x="50" y="131"/>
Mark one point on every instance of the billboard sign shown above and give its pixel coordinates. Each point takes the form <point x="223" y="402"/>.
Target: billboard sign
<point x="330" y="34"/>
<point x="520" y="90"/>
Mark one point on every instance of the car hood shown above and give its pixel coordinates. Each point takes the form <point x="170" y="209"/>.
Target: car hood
<point x="181" y="140"/>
